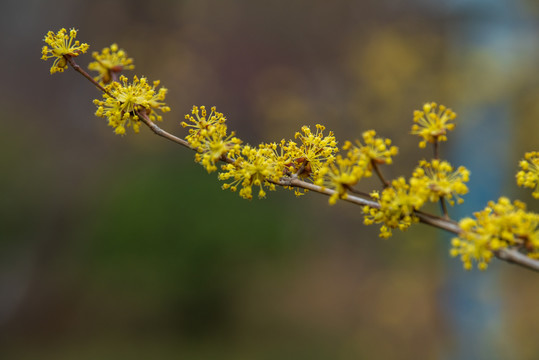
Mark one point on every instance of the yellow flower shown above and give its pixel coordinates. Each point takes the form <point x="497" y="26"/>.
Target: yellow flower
<point x="438" y="179"/>
<point x="200" y="125"/>
<point x="252" y="167"/>
<point x="376" y="149"/>
<point x="397" y="205"/>
<point x="500" y="225"/>
<point x="433" y="123"/>
<point x="214" y="147"/>
<point x="109" y="63"/>
<point x="315" y="150"/>
<point x="529" y="175"/>
<point x="340" y="175"/>
<point x="126" y="101"/>
<point x="208" y="137"/>
<point x="62" y="45"/>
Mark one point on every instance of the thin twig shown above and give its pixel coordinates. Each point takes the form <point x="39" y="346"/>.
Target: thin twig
<point x="358" y="192"/>
<point x="78" y="69"/>
<point x="379" y="174"/>
<point x="158" y="131"/>
<point x="444" y="207"/>
<point x="436" y="149"/>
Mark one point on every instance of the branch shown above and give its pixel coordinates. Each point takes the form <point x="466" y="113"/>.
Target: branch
<point x="514" y="257"/>
<point x="510" y="255"/>
<point x="507" y="254"/>
<point x="158" y="131"/>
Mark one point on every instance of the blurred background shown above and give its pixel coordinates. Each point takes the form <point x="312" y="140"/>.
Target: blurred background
<point x="118" y="247"/>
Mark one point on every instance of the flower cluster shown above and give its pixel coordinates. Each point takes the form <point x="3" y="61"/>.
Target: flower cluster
<point x="261" y="166"/>
<point x="433" y="123"/>
<point x="341" y="175"/>
<point x="266" y="164"/>
<point x="376" y="150"/>
<point x="316" y="158"/>
<point x="208" y="136"/>
<point x="529" y="175"/>
<point x="252" y="167"/>
<point x="431" y="181"/>
<point x="315" y="151"/>
<point x="124" y="102"/>
<point x="62" y="45"/>
<point x="109" y="63"/>
<point x="345" y="172"/>
<point x="437" y="179"/>
<point x="500" y="225"/>
<point x="397" y="206"/>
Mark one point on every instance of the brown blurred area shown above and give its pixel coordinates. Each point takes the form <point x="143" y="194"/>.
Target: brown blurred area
<point x="123" y="248"/>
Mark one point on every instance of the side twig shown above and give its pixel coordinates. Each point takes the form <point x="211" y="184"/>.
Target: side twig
<point x="78" y="69"/>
